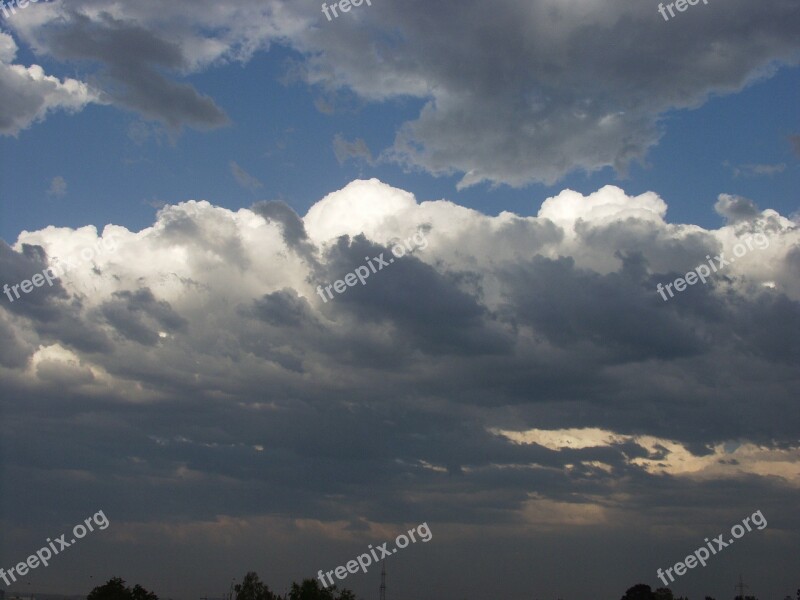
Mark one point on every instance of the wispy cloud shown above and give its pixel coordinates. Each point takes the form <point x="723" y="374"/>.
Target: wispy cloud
<point x="244" y="179"/>
<point x="795" y="141"/>
<point x="357" y="149"/>
<point x="756" y="170"/>
<point x="58" y="187"/>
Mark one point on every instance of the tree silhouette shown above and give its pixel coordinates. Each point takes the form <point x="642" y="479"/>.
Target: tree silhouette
<point x="139" y="593"/>
<point x="640" y="591"/>
<point x="663" y="593"/>
<point x="252" y="588"/>
<point x="114" y="589"/>
<point x="310" y="589"/>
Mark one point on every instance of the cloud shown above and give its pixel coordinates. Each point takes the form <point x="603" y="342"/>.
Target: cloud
<point x="58" y="187"/>
<point x="357" y="149"/>
<point x="736" y="208"/>
<point x="127" y="312"/>
<point x="27" y="94"/>
<point x="535" y="94"/>
<point x="324" y="106"/>
<point x="495" y="312"/>
<point x="134" y="60"/>
<point x="139" y="132"/>
<point x="755" y="170"/>
<point x="520" y="374"/>
<point x="538" y="93"/>
<point x="666" y="456"/>
<point x="244" y="179"/>
<point x="795" y="141"/>
<point x="292" y="227"/>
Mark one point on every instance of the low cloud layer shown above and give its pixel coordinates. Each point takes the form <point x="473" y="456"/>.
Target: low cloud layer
<point x="513" y="372"/>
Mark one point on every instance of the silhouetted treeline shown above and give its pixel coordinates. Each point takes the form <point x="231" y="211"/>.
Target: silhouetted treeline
<point x="251" y="588"/>
<point x="642" y="591"/>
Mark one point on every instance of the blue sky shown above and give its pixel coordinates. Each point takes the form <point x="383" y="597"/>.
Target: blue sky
<point x="280" y="138"/>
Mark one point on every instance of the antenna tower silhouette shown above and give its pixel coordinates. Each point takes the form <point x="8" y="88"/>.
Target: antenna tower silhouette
<point x="383" y="580"/>
<point x="741" y="587"/>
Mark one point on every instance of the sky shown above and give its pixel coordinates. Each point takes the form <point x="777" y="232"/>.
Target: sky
<point x="523" y="365"/>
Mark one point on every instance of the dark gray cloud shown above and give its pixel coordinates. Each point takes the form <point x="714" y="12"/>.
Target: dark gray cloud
<point x="426" y="309"/>
<point x="736" y="208"/>
<point x="283" y="308"/>
<point x="134" y="57"/>
<point x="13" y="353"/>
<point x="49" y="309"/>
<point x="618" y="310"/>
<point x="16" y="267"/>
<point x="539" y="90"/>
<point x="129" y="313"/>
<point x="292" y="227"/>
